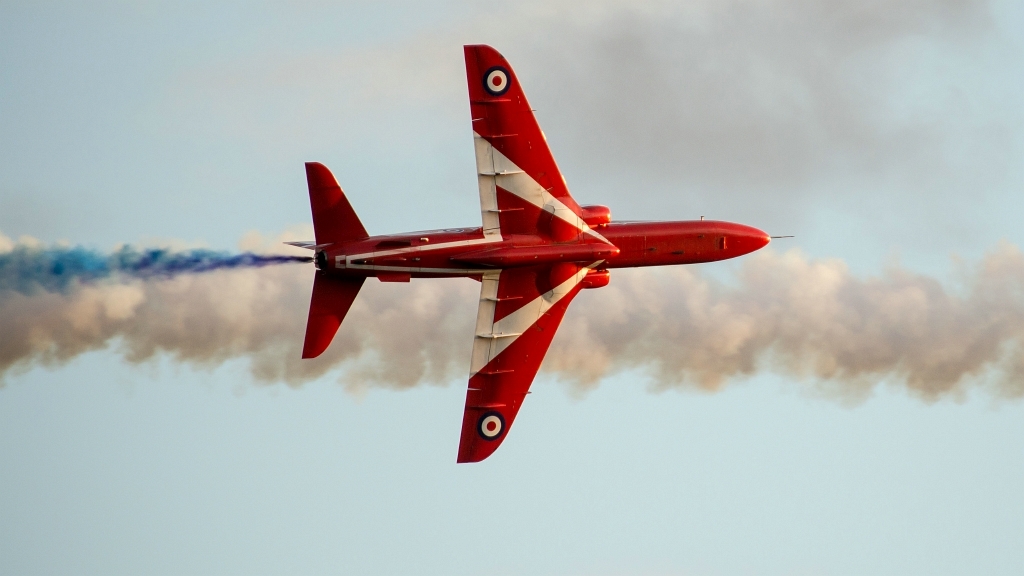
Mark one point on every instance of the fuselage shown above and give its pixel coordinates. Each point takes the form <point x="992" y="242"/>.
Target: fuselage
<point x="468" y="252"/>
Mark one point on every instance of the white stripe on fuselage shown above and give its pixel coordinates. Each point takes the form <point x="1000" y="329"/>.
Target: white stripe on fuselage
<point x="345" y="261"/>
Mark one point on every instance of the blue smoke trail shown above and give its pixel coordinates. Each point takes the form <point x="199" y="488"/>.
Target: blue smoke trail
<point x="28" y="269"/>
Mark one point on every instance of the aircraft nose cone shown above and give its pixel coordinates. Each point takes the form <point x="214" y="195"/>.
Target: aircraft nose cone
<point x="751" y="239"/>
<point x="760" y="239"/>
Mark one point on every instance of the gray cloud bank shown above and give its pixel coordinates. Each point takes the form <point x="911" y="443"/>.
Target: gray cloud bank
<point x="769" y="110"/>
<point x="807" y="319"/>
<point x="902" y="116"/>
<point x="734" y="92"/>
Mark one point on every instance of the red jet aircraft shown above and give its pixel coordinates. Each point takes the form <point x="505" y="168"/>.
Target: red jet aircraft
<point x="536" y="250"/>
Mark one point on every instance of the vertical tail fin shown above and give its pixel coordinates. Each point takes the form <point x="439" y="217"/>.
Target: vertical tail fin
<point x="334" y="220"/>
<point x="331" y="299"/>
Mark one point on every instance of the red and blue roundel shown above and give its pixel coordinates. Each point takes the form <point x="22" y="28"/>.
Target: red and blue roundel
<point x="497" y="81"/>
<point x="491" y="425"/>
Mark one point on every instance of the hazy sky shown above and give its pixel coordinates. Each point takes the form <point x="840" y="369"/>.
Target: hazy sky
<point x="781" y="433"/>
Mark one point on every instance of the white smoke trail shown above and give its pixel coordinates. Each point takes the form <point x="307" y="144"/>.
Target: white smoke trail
<point x="786" y="313"/>
<point x="809" y="319"/>
<point x="394" y="336"/>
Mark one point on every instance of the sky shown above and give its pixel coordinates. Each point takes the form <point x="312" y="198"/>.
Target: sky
<point x="845" y="402"/>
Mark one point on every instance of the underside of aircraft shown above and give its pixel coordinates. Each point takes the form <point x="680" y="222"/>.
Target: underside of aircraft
<point x="535" y="250"/>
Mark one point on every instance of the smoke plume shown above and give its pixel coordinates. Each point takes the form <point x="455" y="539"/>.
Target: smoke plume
<point x="808" y="319"/>
<point x="27" y="268"/>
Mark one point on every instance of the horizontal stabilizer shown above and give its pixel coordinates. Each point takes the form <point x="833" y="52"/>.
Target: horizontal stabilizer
<point x="332" y="297"/>
<point x="307" y="245"/>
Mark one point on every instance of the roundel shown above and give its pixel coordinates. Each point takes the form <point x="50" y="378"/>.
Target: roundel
<point x="496" y="81"/>
<point x="491" y="426"/>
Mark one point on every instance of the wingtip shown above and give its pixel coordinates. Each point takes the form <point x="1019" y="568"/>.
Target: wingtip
<point x="469" y="457"/>
<point x="472" y="446"/>
<point x="320" y="330"/>
<point x="315" y="346"/>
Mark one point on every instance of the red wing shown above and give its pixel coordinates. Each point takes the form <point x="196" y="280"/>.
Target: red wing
<point x="520" y="310"/>
<point x="521" y="189"/>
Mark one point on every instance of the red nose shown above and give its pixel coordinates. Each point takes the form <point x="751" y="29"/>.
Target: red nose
<point x="747" y="239"/>
<point x="759" y="239"/>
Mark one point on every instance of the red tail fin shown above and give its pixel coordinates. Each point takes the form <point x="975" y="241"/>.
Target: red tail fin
<point x="332" y="297"/>
<point x="334" y="220"/>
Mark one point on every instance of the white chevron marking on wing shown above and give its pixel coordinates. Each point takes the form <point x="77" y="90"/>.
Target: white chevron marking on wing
<point x="497" y="170"/>
<point x="486" y="346"/>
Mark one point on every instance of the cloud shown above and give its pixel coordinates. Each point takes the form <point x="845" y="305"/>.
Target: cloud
<point x="743" y="96"/>
<point x="807" y="319"/>
<point x="766" y="111"/>
<point x="724" y="93"/>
